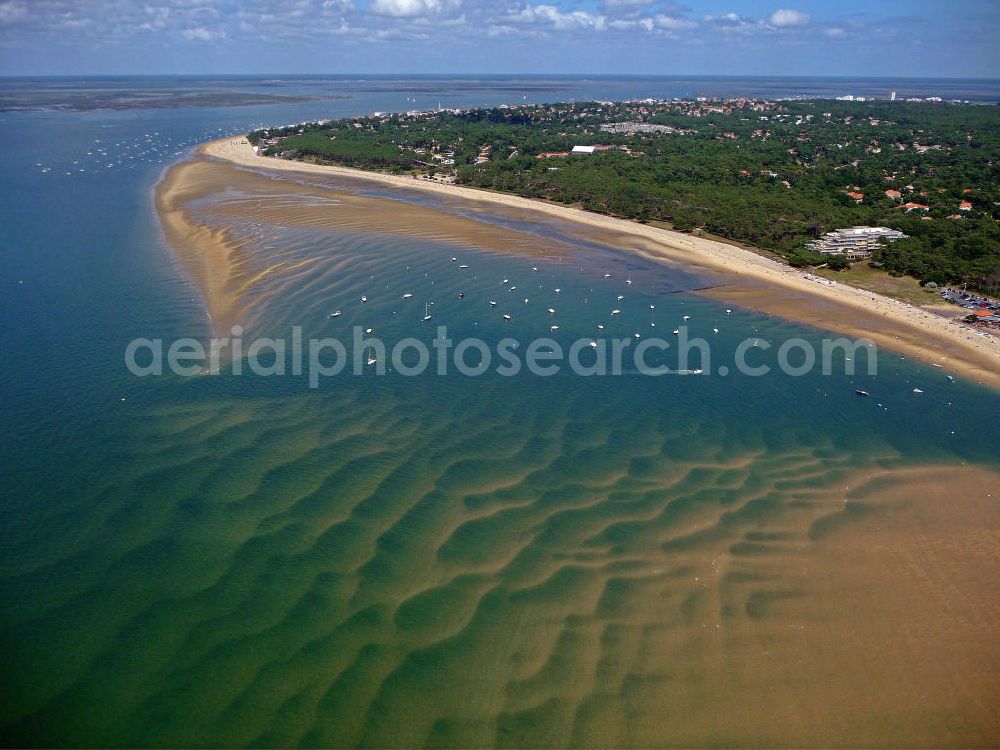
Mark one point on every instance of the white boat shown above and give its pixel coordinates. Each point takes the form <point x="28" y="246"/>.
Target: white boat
<point x="677" y="332"/>
<point x="593" y="344"/>
<point x="407" y="295"/>
<point x="616" y="311"/>
<point x="371" y="357"/>
<point x="493" y="303"/>
<point x="558" y="290"/>
<point x="336" y="314"/>
<point x="607" y="275"/>
<point x="600" y="327"/>
<point x="503" y="281"/>
<point x="363" y="298"/>
<point x="917" y="390"/>
<point x="427" y="315"/>
<point x="463" y="266"/>
<point x="506" y="317"/>
<point x="553" y="328"/>
<point x="687" y="317"/>
<point x="629" y="279"/>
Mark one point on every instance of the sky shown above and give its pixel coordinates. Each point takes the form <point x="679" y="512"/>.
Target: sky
<point x="920" y="38"/>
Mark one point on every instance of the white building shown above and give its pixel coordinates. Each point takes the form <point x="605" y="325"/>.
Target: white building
<point x="854" y="243"/>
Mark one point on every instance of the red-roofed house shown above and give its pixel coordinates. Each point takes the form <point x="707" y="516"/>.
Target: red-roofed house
<point x="856" y="197"/>
<point x="893" y="195"/>
<point x="911" y="206"/>
<point x="965" y="206"/>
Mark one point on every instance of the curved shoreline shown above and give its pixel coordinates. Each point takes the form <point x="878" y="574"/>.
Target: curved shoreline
<point x="773" y="287"/>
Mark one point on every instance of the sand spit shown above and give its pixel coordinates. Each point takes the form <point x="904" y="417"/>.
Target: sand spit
<point x="758" y="282"/>
<point x="214" y="259"/>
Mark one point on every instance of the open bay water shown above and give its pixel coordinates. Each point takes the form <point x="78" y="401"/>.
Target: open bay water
<point x="393" y="561"/>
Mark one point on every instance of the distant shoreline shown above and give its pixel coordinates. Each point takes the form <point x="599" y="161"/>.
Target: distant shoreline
<point x="774" y="287"/>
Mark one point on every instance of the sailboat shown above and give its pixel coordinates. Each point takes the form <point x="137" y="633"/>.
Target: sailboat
<point x="427" y="314"/>
<point x="629" y="279"/>
<point x="371" y="357"/>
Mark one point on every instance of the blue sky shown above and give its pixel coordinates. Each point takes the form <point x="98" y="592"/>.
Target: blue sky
<point x="714" y="37"/>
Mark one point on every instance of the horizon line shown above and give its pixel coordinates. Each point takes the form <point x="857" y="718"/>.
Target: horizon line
<point x="519" y="75"/>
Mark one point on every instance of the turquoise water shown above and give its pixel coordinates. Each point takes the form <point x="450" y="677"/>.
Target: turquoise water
<point x="383" y="561"/>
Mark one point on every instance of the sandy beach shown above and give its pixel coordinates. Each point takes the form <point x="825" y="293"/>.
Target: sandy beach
<point x="759" y="282"/>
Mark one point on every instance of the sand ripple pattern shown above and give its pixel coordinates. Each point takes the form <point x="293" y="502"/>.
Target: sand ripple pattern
<point x="366" y="571"/>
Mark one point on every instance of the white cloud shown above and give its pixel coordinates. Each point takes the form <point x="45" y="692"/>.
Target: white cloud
<point x="789" y="17"/>
<point x="733" y="22"/>
<point x="672" y="23"/>
<point x="835" y="32"/>
<point x="410" y="8"/>
<point x="201" y="34"/>
<point x="11" y="12"/>
<point x="557" y="19"/>
<point x="495" y="30"/>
